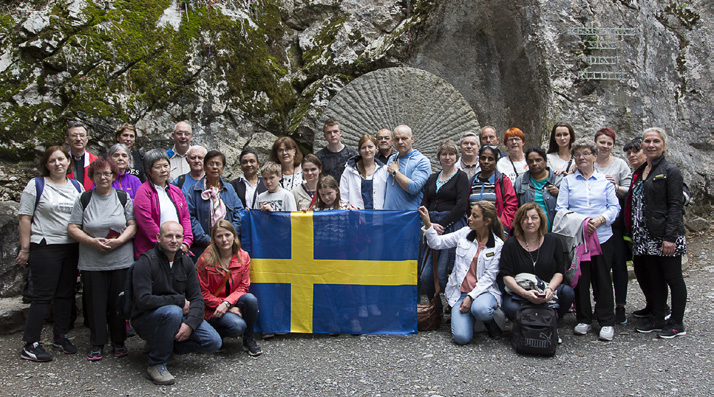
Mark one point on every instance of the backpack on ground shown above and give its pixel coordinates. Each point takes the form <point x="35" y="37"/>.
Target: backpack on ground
<point x="535" y="330"/>
<point x="125" y="300"/>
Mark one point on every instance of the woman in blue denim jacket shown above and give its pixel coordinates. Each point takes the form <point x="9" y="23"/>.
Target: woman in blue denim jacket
<point x="210" y="200"/>
<point x="539" y="184"/>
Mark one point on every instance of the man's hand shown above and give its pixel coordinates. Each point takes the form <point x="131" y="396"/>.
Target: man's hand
<point x="186" y="305"/>
<point x="394" y="167"/>
<point x="183" y="333"/>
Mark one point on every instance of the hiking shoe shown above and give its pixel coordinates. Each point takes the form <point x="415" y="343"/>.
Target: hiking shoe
<point x="648" y="326"/>
<point x="35" y="352"/>
<point x="120" y="350"/>
<point x="129" y="330"/>
<point x="582" y="329"/>
<point x="160" y="375"/>
<point x="494" y="331"/>
<point x="607" y="333"/>
<point x="251" y="347"/>
<point x="61" y="342"/>
<point x="643" y="313"/>
<point x="268" y="335"/>
<point x="96" y="353"/>
<point x="672" y="331"/>
<point x="620" y="316"/>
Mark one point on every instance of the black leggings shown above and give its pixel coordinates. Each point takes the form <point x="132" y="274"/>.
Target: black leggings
<point x="664" y="272"/>
<point x="54" y="276"/>
<point x="101" y="289"/>
<point x="597" y="273"/>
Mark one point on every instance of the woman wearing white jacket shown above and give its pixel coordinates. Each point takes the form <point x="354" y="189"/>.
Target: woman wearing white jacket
<point x="364" y="181"/>
<point x="472" y="287"/>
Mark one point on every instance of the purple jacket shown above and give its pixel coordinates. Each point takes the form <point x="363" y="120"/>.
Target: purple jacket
<point x="148" y="216"/>
<point x="128" y="183"/>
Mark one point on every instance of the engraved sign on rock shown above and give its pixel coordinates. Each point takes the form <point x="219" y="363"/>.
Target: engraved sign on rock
<point x="385" y="98"/>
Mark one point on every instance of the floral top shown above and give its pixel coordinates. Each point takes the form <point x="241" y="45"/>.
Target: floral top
<point x="642" y="242"/>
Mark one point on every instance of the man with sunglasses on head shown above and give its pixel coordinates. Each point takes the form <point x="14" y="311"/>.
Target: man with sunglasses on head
<point x="182" y="136"/>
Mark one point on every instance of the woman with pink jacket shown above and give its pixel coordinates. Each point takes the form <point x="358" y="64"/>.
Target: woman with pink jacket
<point x="158" y="201"/>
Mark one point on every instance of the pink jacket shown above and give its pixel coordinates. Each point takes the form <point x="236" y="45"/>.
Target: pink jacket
<point x="148" y="216"/>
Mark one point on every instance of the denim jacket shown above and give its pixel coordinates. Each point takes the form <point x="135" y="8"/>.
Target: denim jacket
<point x="525" y="191"/>
<point x="200" y="212"/>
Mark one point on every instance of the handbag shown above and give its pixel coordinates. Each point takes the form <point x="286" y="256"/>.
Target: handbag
<point x="429" y="315"/>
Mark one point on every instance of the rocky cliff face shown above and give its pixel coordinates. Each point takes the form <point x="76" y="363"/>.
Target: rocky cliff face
<point x="245" y="71"/>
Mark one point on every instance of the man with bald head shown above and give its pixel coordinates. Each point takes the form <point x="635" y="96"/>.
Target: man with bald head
<point x="182" y="136"/>
<point x="408" y="172"/>
<point x="168" y="305"/>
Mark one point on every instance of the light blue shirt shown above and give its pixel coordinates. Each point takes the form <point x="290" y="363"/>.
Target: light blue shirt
<point x="591" y="197"/>
<point x="417" y="168"/>
<point x="187" y="183"/>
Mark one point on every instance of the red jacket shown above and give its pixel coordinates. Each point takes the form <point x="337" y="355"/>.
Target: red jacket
<point x="87" y="182"/>
<point x="506" y="202"/>
<point x="211" y="279"/>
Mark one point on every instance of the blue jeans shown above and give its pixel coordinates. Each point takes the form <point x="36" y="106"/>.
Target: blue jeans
<point x="159" y="327"/>
<point x="462" y="324"/>
<point x="566" y="296"/>
<point x="231" y="324"/>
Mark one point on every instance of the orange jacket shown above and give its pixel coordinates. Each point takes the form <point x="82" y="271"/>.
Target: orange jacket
<point x="211" y="277"/>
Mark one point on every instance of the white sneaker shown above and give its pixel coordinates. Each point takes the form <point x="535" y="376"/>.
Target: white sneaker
<point x="582" y="329"/>
<point x="607" y="333"/>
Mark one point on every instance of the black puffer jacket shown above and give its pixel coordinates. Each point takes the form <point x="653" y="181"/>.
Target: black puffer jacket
<point x="663" y="200"/>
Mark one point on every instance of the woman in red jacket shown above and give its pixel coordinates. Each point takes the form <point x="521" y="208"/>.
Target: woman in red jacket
<point x="224" y="274"/>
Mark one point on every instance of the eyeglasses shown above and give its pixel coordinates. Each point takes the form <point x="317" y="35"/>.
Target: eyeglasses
<point x="581" y="155"/>
<point x="75" y="136"/>
<point x="104" y="174"/>
<point x="514" y="139"/>
<point x="215" y="164"/>
<point x="182" y="133"/>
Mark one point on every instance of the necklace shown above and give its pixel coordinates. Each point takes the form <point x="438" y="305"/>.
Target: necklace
<point x="531" y="255"/>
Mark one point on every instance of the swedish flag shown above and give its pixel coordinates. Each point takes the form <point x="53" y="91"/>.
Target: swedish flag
<point x="334" y="271"/>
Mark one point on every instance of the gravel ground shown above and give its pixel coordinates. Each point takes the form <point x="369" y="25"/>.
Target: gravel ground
<point x="423" y="364"/>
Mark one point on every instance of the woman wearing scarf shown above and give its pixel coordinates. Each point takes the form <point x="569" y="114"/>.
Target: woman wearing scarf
<point x="210" y="200"/>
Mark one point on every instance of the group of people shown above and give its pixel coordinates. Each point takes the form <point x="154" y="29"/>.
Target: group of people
<point x="170" y="220"/>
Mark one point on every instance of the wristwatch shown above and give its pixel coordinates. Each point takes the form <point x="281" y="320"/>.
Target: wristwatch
<point x="394" y="174"/>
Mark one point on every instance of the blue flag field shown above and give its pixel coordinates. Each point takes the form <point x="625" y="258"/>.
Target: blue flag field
<point x="351" y="272"/>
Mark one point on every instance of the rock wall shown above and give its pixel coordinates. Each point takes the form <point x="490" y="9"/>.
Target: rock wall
<point x="517" y="64"/>
<point x="245" y="71"/>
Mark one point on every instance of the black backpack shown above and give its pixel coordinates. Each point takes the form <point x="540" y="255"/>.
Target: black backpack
<point x="535" y="330"/>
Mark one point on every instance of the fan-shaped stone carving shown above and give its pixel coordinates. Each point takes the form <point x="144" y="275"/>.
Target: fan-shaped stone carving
<point x="385" y="98"/>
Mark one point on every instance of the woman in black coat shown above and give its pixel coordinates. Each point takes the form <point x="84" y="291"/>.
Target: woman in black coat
<point x="654" y="211"/>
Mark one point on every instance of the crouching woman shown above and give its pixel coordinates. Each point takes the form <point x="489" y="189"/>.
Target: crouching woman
<point x="224" y="274"/>
<point x="472" y="285"/>
<point x="532" y="250"/>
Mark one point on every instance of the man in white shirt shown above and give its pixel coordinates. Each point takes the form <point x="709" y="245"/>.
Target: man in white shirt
<point x="182" y="136"/>
<point x="468" y="162"/>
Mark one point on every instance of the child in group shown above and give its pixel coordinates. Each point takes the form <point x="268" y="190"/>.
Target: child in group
<point x="328" y="196"/>
<point x="276" y="198"/>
